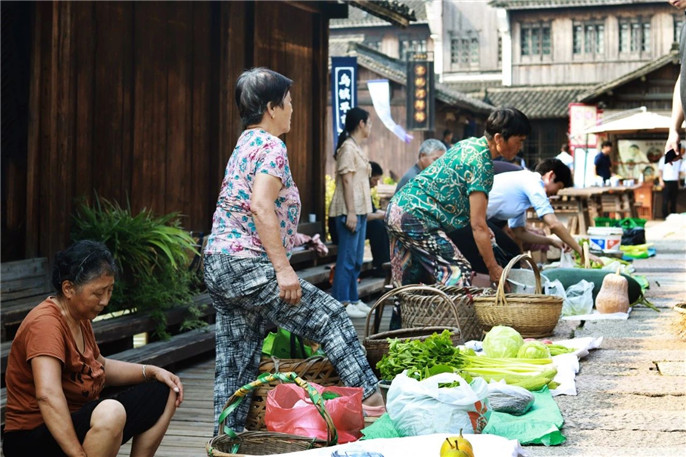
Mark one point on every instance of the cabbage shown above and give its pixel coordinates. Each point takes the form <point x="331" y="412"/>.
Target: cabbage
<point x="502" y="342"/>
<point x="533" y="350"/>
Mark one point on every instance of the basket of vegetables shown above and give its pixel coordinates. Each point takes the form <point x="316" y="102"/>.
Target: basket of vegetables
<point x="532" y="315"/>
<point x="377" y="344"/>
<point x="228" y="443"/>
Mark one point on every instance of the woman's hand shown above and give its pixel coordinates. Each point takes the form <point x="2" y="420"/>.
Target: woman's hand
<point x="351" y="222"/>
<point x="289" y="286"/>
<point x="166" y="377"/>
<point x="494" y="273"/>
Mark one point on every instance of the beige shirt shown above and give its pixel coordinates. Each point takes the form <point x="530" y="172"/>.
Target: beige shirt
<point x="351" y="159"/>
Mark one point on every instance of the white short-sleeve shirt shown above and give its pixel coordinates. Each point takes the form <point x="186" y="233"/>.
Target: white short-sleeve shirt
<point x="670" y="171"/>
<point x="515" y="192"/>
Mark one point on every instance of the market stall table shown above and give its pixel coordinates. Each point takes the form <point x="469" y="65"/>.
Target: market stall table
<point x="589" y="202"/>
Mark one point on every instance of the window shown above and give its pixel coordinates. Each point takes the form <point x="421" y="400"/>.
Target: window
<point x="535" y="39"/>
<point x="464" y="50"/>
<point x="588" y="38"/>
<point x="678" y="22"/>
<point x="500" y="49"/>
<point x="410" y="45"/>
<point x="634" y="35"/>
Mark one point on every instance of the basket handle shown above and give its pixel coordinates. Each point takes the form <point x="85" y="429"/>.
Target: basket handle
<point x="408" y="288"/>
<point x="500" y="293"/>
<point x="265" y="378"/>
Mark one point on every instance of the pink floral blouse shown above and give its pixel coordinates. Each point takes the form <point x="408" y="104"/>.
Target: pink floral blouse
<point x="233" y="228"/>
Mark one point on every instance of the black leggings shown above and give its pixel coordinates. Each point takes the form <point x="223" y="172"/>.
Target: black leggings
<point x="144" y="404"/>
<point x="464" y="240"/>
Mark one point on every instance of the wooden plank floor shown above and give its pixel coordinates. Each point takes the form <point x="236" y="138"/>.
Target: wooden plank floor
<point x="192" y="425"/>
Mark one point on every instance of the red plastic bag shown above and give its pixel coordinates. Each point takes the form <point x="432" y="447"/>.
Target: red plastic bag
<point x="290" y="410"/>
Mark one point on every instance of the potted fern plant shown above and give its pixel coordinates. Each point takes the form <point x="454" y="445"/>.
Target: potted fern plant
<point x="152" y="253"/>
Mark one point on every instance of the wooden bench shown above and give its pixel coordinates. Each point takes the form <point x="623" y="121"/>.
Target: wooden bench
<point x="24" y="284"/>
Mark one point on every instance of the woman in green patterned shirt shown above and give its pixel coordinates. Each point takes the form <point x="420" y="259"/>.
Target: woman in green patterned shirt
<point x="446" y="196"/>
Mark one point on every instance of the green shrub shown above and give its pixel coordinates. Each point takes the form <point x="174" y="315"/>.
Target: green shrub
<point x="152" y="253"/>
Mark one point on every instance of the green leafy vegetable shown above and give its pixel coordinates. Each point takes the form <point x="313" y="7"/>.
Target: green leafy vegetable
<point x="533" y="350"/>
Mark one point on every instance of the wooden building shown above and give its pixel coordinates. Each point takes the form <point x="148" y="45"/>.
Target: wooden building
<point x="134" y="101"/>
<point x="463" y="115"/>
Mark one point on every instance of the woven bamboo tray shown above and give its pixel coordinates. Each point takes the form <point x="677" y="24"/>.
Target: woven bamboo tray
<point x="377" y="344"/>
<point x="532" y="315"/>
<point x="317" y="369"/>
<point x="250" y="443"/>
<point x="425" y="308"/>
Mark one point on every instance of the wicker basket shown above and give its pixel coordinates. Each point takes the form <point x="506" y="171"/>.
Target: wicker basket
<point x="425" y="308"/>
<point x="229" y="444"/>
<point x="377" y="345"/>
<point x="532" y="315"/>
<point x="317" y="369"/>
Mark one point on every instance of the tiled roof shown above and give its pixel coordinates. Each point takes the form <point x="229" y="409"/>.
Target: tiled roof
<point x="547" y="4"/>
<point x="671" y="58"/>
<point x="360" y="18"/>
<point x="395" y="70"/>
<point x="538" y="102"/>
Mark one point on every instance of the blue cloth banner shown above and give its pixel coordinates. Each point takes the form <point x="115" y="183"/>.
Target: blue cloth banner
<point x="343" y="91"/>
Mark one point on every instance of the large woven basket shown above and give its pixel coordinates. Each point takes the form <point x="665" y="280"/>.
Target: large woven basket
<point x="377" y="344"/>
<point x="250" y="443"/>
<point x="317" y="369"/>
<point x="421" y="308"/>
<point x="532" y="315"/>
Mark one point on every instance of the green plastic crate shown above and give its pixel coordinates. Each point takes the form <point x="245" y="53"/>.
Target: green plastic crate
<point x="606" y="222"/>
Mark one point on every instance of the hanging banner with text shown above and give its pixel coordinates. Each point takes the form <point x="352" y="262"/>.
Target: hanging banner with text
<point x="420" y="91"/>
<point x="343" y="91"/>
<point x="380" y="92"/>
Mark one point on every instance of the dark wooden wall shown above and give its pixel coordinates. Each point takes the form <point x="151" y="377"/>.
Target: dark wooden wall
<point x="134" y="101"/>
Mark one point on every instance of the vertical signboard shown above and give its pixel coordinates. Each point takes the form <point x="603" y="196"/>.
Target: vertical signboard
<point x="420" y="91"/>
<point x="343" y="91"/>
<point x="581" y="118"/>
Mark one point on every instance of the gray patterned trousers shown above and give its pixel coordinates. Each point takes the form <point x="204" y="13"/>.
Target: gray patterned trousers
<point x="245" y="294"/>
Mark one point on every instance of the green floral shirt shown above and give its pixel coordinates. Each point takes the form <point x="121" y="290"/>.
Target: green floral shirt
<point x="439" y="195"/>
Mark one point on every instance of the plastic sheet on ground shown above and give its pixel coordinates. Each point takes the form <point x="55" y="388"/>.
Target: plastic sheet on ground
<point x="596" y="316"/>
<point x="429" y="445"/>
<point x="567" y="365"/>
<point x="540" y="425"/>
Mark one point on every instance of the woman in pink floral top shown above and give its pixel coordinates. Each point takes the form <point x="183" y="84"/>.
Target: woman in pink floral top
<point x="247" y="271"/>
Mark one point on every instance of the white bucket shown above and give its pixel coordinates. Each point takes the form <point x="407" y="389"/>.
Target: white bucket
<point x="605" y="239"/>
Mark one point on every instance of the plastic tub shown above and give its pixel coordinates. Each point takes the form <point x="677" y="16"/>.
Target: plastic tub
<point x="523" y="281"/>
<point x="605" y="239"/>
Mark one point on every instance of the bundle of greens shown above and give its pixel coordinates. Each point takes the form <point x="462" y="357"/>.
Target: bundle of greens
<point x="437" y="354"/>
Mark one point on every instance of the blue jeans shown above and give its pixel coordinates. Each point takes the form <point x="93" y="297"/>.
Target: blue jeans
<point x="349" y="259"/>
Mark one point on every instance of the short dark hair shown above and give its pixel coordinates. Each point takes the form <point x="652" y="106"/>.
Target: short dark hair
<point x="447" y="131"/>
<point x="564" y="147"/>
<point x="255" y="89"/>
<point x="562" y="171"/>
<point x="605" y="143"/>
<point x="507" y="121"/>
<point x="376" y="168"/>
<point x="82" y="262"/>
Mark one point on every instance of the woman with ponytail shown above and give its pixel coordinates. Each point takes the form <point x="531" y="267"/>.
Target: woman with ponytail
<point x="350" y="205"/>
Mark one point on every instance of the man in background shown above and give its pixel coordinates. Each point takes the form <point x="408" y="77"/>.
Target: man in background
<point x="429" y="151"/>
<point x="448" y="138"/>
<point x="679" y="96"/>
<point x="603" y="164"/>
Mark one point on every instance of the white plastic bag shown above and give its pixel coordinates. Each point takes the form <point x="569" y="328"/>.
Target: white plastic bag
<point x="422" y="407"/>
<point x="576" y="300"/>
<point x="579" y="299"/>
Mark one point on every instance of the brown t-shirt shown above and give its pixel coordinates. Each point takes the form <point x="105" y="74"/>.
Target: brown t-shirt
<point x="44" y="332"/>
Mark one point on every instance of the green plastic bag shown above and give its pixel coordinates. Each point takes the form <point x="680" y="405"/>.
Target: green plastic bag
<point x="541" y="425"/>
<point x="285" y="345"/>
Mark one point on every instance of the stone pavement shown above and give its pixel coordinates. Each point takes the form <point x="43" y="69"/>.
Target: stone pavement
<point x="625" y="405"/>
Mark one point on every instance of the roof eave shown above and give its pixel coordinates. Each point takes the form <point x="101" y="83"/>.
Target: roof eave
<point x="394" y="12"/>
